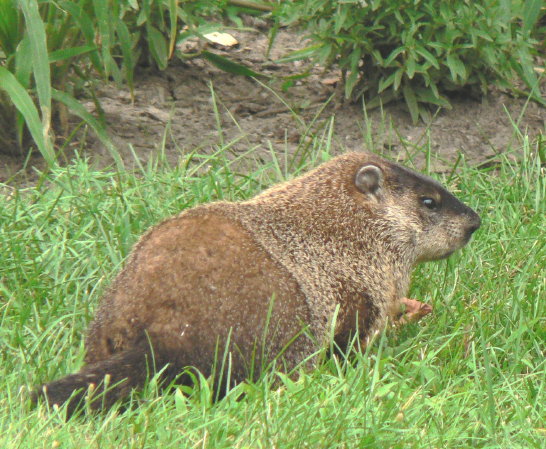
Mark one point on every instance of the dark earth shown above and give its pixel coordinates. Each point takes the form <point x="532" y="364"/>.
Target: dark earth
<point x="178" y="105"/>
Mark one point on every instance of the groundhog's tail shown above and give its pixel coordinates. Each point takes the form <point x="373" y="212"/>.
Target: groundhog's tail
<point x="102" y="383"/>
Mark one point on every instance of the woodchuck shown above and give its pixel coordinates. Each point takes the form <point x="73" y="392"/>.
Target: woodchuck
<point x="260" y="281"/>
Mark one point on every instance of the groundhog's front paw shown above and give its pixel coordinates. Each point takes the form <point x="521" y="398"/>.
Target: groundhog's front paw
<point x="412" y="310"/>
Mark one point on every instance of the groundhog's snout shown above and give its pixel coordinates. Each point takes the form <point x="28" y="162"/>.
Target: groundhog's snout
<point x="474" y="223"/>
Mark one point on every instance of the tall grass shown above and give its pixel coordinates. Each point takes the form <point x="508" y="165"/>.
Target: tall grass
<point x="472" y="375"/>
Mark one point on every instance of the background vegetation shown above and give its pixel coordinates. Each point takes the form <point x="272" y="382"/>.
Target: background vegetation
<point x="423" y="51"/>
<point x="52" y="53"/>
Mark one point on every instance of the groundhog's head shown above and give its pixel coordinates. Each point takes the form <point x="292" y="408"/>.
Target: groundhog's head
<point x="416" y="209"/>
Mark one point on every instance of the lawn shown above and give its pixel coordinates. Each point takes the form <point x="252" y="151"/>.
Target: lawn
<point x="471" y="375"/>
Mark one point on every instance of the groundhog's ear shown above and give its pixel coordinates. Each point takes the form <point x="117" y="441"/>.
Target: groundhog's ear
<point x="369" y="180"/>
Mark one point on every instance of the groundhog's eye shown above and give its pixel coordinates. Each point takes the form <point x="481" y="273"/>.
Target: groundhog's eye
<point x="430" y="203"/>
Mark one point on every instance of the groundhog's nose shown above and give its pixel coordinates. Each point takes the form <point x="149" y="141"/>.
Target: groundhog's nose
<point x="475" y="222"/>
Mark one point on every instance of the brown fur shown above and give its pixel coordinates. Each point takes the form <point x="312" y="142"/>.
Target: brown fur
<point x="263" y="278"/>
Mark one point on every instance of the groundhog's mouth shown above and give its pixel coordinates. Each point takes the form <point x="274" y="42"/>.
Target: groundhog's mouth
<point x="437" y="256"/>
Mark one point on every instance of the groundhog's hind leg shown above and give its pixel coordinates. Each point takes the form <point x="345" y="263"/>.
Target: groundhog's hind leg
<point x="111" y="379"/>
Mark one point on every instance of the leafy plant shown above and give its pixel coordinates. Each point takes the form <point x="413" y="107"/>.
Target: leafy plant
<point x="51" y="50"/>
<point x="40" y="45"/>
<point x="421" y="50"/>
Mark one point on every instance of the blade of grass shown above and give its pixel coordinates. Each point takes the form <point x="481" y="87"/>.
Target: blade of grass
<point x="68" y="53"/>
<point x="9" y="26"/>
<point x="84" y="114"/>
<point x="173" y="6"/>
<point x="24" y="104"/>
<point x="86" y="26"/>
<point x="531" y="14"/>
<point x="104" y="21"/>
<point x="127" y="51"/>
<point x="227" y="65"/>
<point x="41" y="70"/>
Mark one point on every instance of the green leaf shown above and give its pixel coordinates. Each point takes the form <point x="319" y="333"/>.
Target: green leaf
<point x="23" y="62"/>
<point x="339" y="19"/>
<point x="394" y="54"/>
<point x="86" y="116"/>
<point x="350" y="83"/>
<point x="428" y="56"/>
<point x="9" y="26"/>
<point x="378" y="58"/>
<point x="411" y="101"/>
<point x="298" y="55"/>
<point x="158" y="47"/>
<point x="126" y="46"/>
<point x="227" y="65"/>
<point x="354" y="58"/>
<point x="531" y="14"/>
<point x="485" y="36"/>
<point x="287" y="85"/>
<point x="24" y="104"/>
<point x="525" y="70"/>
<point x="173" y="4"/>
<point x="40" y="61"/>
<point x="398" y="78"/>
<point x="410" y="67"/>
<point x="104" y="22"/>
<point x="86" y="26"/>
<point x="297" y="76"/>
<point x="68" y="53"/>
<point x="434" y="89"/>
<point x="425" y="95"/>
<point x="456" y="67"/>
<point x="386" y="82"/>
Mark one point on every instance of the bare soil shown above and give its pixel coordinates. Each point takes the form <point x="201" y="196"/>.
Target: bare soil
<point x="195" y="105"/>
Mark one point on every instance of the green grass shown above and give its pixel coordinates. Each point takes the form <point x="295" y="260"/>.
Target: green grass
<point x="472" y="375"/>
